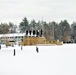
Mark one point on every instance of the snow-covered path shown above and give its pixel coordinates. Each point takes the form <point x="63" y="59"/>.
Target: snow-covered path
<point x="51" y="60"/>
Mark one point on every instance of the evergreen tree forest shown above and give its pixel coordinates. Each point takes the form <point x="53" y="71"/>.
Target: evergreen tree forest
<point x="52" y="30"/>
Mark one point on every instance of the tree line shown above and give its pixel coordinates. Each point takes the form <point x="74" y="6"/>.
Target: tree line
<point x="51" y="31"/>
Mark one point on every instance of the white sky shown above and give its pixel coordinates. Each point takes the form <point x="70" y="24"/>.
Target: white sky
<point x="57" y="10"/>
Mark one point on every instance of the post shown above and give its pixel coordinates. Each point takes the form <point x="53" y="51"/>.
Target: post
<point x="21" y="47"/>
<point x="6" y="46"/>
<point x="0" y="46"/>
<point x="37" y="49"/>
<point x="14" y="52"/>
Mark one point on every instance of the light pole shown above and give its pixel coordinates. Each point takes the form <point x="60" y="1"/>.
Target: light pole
<point x="42" y="27"/>
<point x="18" y="37"/>
<point x="53" y="31"/>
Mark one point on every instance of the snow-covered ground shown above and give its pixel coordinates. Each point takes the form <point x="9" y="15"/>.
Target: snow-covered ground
<point x="51" y="60"/>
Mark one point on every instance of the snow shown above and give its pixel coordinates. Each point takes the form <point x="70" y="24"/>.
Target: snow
<point x="51" y="60"/>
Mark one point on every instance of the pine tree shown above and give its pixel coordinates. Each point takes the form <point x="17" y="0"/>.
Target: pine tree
<point x="24" y="25"/>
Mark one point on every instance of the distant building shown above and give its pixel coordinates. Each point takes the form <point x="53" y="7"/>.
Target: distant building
<point x="11" y="37"/>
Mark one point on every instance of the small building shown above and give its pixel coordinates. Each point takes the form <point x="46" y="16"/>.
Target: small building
<point x="14" y="37"/>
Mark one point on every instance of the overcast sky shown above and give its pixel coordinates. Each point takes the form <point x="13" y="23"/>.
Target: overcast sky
<point x="50" y="10"/>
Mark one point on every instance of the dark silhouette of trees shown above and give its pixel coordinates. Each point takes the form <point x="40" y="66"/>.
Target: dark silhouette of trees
<point x="24" y="25"/>
<point x="65" y="31"/>
<point x="4" y="28"/>
<point x="12" y="28"/>
<point x="51" y="31"/>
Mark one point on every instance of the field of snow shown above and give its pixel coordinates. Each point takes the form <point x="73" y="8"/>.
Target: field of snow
<point x="51" y="60"/>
